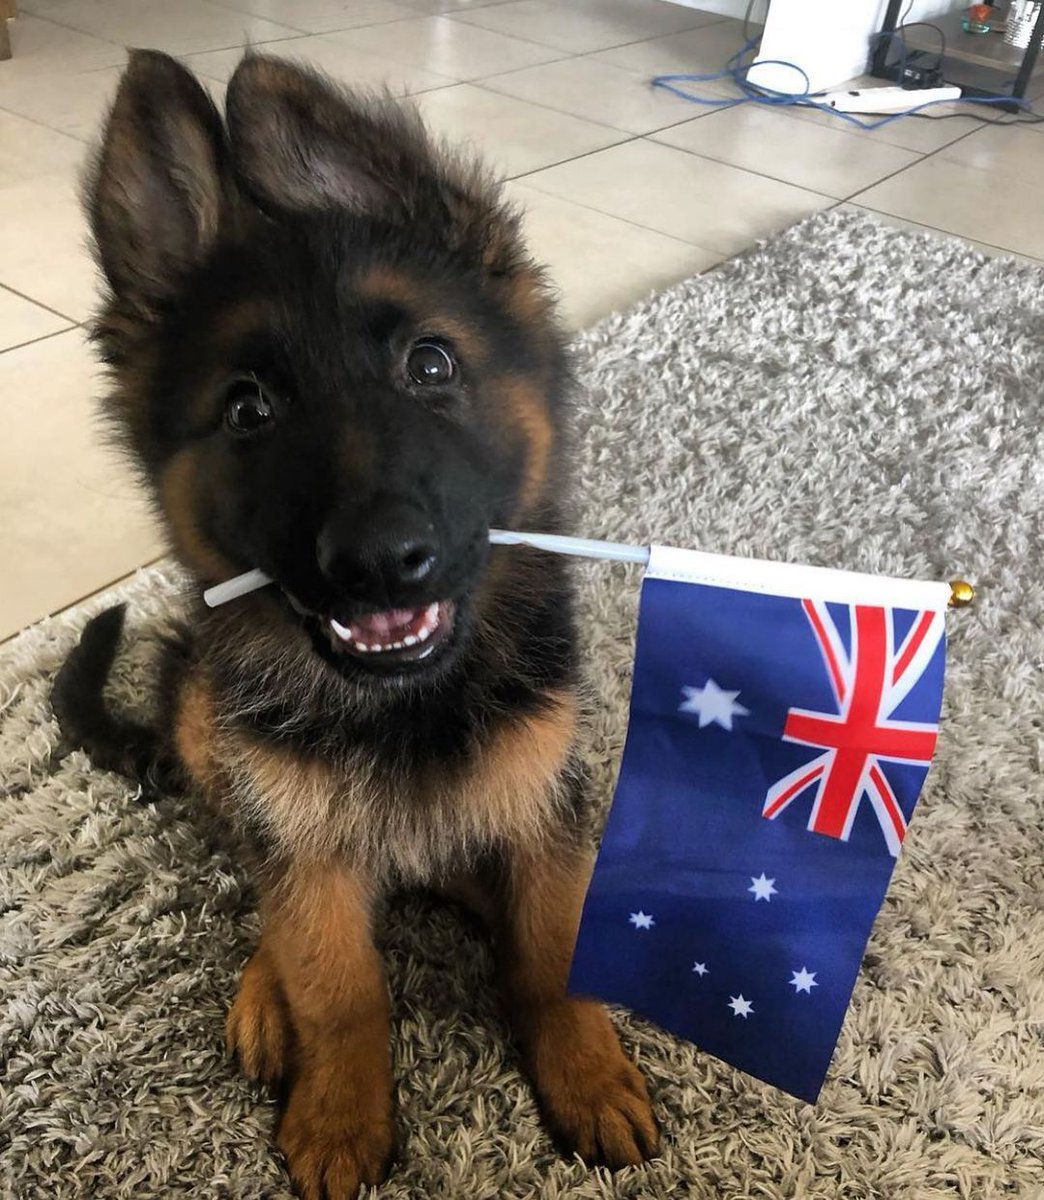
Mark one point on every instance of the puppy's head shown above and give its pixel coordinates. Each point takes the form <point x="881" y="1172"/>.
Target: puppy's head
<point x="333" y="358"/>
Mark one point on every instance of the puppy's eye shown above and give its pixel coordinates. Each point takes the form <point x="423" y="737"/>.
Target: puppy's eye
<point x="430" y="362"/>
<point x="247" y="408"/>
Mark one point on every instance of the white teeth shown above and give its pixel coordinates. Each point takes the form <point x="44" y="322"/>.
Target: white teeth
<point x="430" y="622"/>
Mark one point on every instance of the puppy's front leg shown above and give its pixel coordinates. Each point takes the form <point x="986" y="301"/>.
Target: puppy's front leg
<point x="337" y="1131"/>
<point x="593" y="1096"/>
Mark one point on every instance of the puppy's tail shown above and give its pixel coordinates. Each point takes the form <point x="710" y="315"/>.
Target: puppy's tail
<point x="114" y="742"/>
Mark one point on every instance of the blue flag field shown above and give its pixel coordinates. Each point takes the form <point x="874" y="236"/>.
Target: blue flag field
<point x="782" y="724"/>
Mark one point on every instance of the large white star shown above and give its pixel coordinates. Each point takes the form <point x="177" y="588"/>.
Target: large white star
<point x="641" y="920"/>
<point x="700" y="969"/>
<point x="712" y="704"/>
<point x="804" y="981"/>
<point x="740" y="1007"/>
<point x="762" y="888"/>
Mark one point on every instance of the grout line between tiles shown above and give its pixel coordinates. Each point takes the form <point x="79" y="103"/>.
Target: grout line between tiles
<point x="724" y="162"/>
<point x="716" y="250"/>
<point x="946" y="233"/>
<point x="43" y="125"/>
<point x="924" y="158"/>
<point x="39" y="304"/>
<point x="103" y="587"/>
<point x="98" y="37"/>
<point x="483" y="81"/>
<point x="455" y="15"/>
<point x="44" y="337"/>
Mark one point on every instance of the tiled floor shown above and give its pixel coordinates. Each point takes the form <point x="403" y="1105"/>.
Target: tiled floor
<point x="627" y="189"/>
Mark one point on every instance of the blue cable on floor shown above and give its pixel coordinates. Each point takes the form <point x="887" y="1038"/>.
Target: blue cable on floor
<point x="736" y="70"/>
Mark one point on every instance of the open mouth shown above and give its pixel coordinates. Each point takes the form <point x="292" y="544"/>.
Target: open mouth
<point x="397" y="635"/>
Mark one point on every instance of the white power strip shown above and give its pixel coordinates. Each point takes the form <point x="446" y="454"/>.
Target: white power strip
<point x="885" y="99"/>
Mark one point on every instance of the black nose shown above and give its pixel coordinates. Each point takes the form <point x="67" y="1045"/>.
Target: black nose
<point x="379" y="555"/>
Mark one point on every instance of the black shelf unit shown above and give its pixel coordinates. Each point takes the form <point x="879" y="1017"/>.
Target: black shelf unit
<point x="981" y="64"/>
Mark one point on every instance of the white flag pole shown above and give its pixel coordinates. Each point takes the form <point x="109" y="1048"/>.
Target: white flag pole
<point x="961" y="593"/>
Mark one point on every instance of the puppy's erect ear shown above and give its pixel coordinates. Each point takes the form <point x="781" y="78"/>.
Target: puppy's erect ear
<point x="300" y="145"/>
<point x="158" y="192"/>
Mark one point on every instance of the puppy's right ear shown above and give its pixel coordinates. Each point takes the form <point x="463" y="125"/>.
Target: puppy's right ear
<point x="157" y="196"/>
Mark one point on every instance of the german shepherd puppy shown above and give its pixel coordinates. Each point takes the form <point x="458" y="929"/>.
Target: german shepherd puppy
<point x="333" y="358"/>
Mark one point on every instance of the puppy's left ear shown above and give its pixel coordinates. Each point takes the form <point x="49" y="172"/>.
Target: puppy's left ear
<point x="301" y="145"/>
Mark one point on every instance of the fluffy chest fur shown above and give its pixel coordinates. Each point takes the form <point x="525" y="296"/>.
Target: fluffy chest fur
<point x="511" y="780"/>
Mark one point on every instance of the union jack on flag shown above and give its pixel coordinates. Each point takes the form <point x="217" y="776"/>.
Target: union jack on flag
<point x="868" y="682"/>
<point x="782" y="723"/>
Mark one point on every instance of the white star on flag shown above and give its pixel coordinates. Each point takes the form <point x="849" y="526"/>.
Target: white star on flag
<point x="804" y="981"/>
<point x="700" y="969"/>
<point x="712" y="705"/>
<point x="762" y="888"/>
<point x="740" y="1007"/>
<point x="641" y="920"/>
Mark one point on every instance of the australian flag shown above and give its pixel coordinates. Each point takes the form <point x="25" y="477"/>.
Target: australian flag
<point x="782" y="724"/>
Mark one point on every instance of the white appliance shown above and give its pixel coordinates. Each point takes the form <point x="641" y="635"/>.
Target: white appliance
<point x="828" y="39"/>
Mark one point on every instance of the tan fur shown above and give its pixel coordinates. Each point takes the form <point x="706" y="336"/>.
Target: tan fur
<point x="422" y="303"/>
<point x="528" y="297"/>
<point x="591" y="1092"/>
<point x="195" y="730"/>
<point x="258" y="1029"/>
<point x="181" y="488"/>
<point x="525" y="405"/>
<point x="338" y="1128"/>
<point x="508" y="792"/>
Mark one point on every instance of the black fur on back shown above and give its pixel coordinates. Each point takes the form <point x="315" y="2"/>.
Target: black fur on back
<point x="116" y="743"/>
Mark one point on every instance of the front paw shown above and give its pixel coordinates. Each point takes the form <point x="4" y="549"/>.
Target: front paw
<point x="258" y="1031"/>
<point x="335" y="1142"/>
<point x="593" y="1096"/>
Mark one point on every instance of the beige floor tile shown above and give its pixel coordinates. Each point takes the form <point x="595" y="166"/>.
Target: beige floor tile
<point x="73" y="104"/>
<point x="448" y="47"/>
<point x="701" y="51"/>
<point x="965" y="201"/>
<point x="435" y="7"/>
<point x="329" y="54"/>
<point x="1009" y="153"/>
<point x="514" y="137"/>
<point x="760" y="140"/>
<point x="581" y="28"/>
<point x="73" y="519"/>
<point x="601" y="264"/>
<point x="322" y="16"/>
<point x="596" y="91"/>
<point x="43" y="250"/>
<point x="44" y="48"/>
<point x="22" y="321"/>
<point x="709" y="204"/>
<point x="912" y="133"/>
<point x="187" y="27"/>
<point x="28" y="151"/>
<point x="915" y="227"/>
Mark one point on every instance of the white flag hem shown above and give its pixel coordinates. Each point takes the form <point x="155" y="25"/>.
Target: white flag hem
<point x="794" y="579"/>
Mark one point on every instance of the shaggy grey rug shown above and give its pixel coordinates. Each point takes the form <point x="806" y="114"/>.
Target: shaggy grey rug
<point x="846" y="395"/>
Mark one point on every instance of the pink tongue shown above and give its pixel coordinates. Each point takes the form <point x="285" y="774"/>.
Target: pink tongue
<point x="387" y="626"/>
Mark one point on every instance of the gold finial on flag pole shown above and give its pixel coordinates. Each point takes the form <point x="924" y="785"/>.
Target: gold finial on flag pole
<point x="961" y="593"/>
